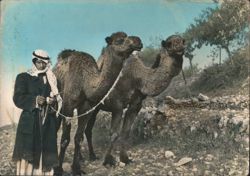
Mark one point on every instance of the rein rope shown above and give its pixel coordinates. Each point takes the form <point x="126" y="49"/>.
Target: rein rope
<point x="100" y="102"/>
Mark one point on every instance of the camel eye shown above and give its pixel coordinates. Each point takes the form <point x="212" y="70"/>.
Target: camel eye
<point x="168" y="44"/>
<point x="119" y="41"/>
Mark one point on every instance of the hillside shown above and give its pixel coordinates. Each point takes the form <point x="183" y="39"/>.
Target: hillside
<point x="201" y="128"/>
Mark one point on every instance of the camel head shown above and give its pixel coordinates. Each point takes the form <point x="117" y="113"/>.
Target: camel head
<point x="124" y="45"/>
<point x="174" y="44"/>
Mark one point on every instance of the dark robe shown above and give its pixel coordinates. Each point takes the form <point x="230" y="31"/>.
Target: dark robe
<point x="29" y="141"/>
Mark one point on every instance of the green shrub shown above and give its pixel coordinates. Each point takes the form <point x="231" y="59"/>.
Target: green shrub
<point x="190" y="71"/>
<point x="224" y="75"/>
<point x="149" y="55"/>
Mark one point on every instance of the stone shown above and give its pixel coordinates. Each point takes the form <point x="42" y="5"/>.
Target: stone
<point x="183" y="161"/>
<point x="223" y="121"/>
<point x="209" y="157"/>
<point x="215" y="134"/>
<point x="231" y="172"/>
<point x="202" y="97"/>
<point x="207" y="173"/>
<point x="246" y="110"/>
<point x="204" y="110"/>
<point x="150" y="173"/>
<point x="192" y="128"/>
<point x="221" y="170"/>
<point x="236" y="120"/>
<point x="170" y="173"/>
<point x="194" y="100"/>
<point x="101" y="171"/>
<point x="158" y="165"/>
<point x="169" y="154"/>
<point x="121" y="164"/>
<point x="137" y="170"/>
<point x="66" y="167"/>
<point x="194" y="169"/>
<point x="214" y="100"/>
<point x="245" y="125"/>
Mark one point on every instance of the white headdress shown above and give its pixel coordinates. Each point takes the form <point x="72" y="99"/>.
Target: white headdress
<point x="43" y="55"/>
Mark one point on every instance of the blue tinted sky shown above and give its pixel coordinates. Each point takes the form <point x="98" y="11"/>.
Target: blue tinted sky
<point x="54" y="25"/>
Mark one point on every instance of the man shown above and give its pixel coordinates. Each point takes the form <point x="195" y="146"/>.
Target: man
<point x="35" y="92"/>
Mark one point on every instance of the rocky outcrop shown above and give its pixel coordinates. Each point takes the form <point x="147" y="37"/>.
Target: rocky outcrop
<point x="216" y="117"/>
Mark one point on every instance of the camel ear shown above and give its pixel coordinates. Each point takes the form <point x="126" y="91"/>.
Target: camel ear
<point x="108" y="40"/>
<point x="163" y="43"/>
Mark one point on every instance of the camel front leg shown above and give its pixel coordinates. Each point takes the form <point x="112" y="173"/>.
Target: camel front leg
<point x="82" y="123"/>
<point x="65" y="139"/>
<point x="69" y="104"/>
<point x="115" y="130"/>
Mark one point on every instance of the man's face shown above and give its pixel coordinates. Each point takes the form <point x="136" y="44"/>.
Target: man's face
<point x="40" y="65"/>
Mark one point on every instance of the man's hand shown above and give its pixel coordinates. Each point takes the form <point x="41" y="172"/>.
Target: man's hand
<point x="68" y="120"/>
<point x="50" y="100"/>
<point x="40" y="100"/>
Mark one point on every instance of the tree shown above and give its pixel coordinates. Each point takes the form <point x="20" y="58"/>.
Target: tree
<point x="224" y="27"/>
<point x="149" y="55"/>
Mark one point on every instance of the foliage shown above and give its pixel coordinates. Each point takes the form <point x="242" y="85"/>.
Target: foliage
<point x="149" y="55"/>
<point x="224" y="75"/>
<point x="190" y="71"/>
<point x="225" y="27"/>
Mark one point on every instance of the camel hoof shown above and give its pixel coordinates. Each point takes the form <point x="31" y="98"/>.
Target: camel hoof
<point x="58" y="171"/>
<point x="109" y="160"/>
<point x="126" y="160"/>
<point x="81" y="158"/>
<point x="78" y="173"/>
<point x="93" y="157"/>
<point x="76" y="170"/>
<point x="129" y="161"/>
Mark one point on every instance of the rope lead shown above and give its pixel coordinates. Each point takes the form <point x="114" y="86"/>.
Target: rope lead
<point x="93" y="108"/>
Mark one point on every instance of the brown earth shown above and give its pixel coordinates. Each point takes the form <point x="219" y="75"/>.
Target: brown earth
<point x="180" y="137"/>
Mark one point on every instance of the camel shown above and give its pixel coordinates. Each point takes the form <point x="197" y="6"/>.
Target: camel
<point x="82" y="85"/>
<point x="137" y="83"/>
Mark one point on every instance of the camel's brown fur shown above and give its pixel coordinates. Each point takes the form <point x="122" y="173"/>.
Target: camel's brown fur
<point x="83" y="84"/>
<point x="138" y="82"/>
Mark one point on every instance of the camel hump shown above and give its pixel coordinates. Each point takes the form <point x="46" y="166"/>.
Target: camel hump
<point x="68" y="53"/>
<point x="77" y="58"/>
<point x="74" y="62"/>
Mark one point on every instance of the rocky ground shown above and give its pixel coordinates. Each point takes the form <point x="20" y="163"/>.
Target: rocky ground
<point x="193" y="136"/>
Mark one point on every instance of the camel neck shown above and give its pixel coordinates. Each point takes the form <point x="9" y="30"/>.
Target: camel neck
<point x="156" y="80"/>
<point x="111" y="67"/>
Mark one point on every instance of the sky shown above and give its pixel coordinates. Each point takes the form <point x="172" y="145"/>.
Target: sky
<point x="54" y="25"/>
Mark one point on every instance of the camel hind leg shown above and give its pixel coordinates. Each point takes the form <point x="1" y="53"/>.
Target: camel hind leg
<point x="129" y="118"/>
<point x="88" y="133"/>
<point x="115" y="133"/>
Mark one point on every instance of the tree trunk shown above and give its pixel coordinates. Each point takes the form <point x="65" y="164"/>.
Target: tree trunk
<point x="229" y="54"/>
<point x="220" y="55"/>
<point x="191" y="64"/>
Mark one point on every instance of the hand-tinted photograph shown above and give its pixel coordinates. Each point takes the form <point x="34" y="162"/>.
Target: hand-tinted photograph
<point x="124" y="87"/>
